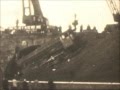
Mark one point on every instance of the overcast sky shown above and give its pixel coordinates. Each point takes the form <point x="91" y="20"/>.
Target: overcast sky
<point x="61" y="12"/>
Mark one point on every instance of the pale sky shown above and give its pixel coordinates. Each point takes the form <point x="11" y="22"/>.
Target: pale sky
<point x="61" y="12"/>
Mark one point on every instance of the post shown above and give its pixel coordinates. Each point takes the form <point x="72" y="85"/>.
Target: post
<point x="29" y="8"/>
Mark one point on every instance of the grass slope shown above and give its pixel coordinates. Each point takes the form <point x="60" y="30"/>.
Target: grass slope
<point x="97" y="60"/>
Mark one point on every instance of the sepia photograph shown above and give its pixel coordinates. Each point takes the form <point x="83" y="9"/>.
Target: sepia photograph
<point x="59" y="44"/>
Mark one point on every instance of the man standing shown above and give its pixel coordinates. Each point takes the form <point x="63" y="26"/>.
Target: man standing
<point x="5" y="84"/>
<point x="25" y="85"/>
<point x="51" y="85"/>
<point x="1" y="78"/>
<point x="14" y="84"/>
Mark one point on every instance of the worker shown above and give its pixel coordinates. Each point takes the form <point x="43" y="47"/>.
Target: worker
<point x="17" y="24"/>
<point x="5" y="84"/>
<point x="88" y="27"/>
<point x="44" y="28"/>
<point x="81" y="28"/>
<point x="30" y="85"/>
<point x="70" y="29"/>
<point x="60" y="29"/>
<point x="94" y="29"/>
<point x="1" y="76"/>
<point x="25" y="85"/>
<point x="14" y="84"/>
<point x="51" y="85"/>
<point x="36" y="85"/>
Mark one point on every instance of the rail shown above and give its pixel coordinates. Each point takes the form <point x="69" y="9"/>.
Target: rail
<point x="59" y="85"/>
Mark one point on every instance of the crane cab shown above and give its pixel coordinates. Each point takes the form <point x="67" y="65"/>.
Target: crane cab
<point x="33" y="20"/>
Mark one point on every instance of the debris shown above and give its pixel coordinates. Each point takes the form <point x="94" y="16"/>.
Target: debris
<point x="68" y="60"/>
<point x="53" y="69"/>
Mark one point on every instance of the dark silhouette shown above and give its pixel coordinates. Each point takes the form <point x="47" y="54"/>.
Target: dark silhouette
<point x="36" y="85"/>
<point x="51" y="85"/>
<point x="70" y="30"/>
<point x="94" y="29"/>
<point x="11" y="69"/>
<point x="25" y="85"/>
<point x="26" y="51"/>
<point x="1" y="76"/>
<point x="60" y="29"/>
<point x="14" y="85"/>
<point x="75" y="23"/>
<point x="17" y="49"/>
<point x="5" y="84"/>
<point x="88" y="27"/>
<point x="44" y="28"/>
<point x="81" y="28"/>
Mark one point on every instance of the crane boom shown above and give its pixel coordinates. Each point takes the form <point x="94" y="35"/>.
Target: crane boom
<point x="37" y="18"/>
<point x="112" y="5"/>
<point x="114" y="10"/>
<point x="37" y="9"/>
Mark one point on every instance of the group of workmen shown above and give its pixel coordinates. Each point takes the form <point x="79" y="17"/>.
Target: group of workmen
<point x="26" y="85"/>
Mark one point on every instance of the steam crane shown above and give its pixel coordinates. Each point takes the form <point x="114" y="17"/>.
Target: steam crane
<point x="37" y="18"/>
<point x="114" y="10"/>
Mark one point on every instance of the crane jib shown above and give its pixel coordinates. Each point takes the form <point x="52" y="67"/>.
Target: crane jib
<point x="36" y="7"/>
